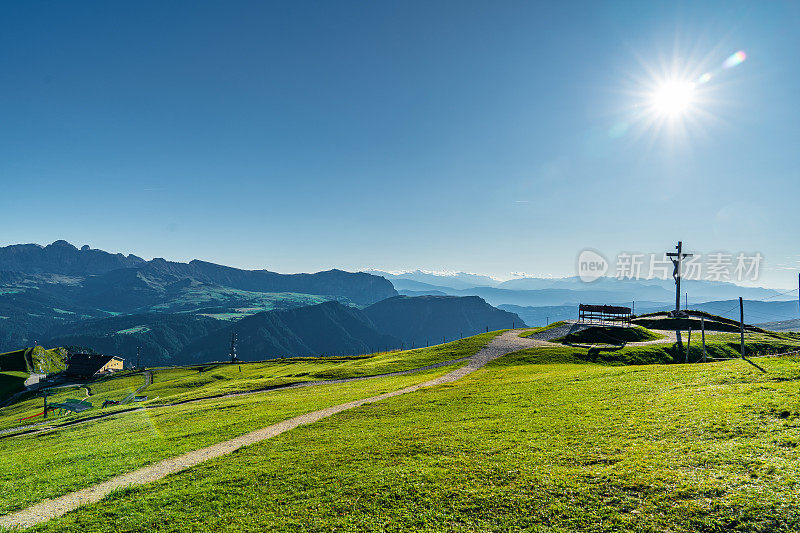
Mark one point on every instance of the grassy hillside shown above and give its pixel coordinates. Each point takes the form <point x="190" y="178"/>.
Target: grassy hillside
<point x="11" y="382"/>
<point x="610" y="335"/>
<point x="89" y="453"/>
<point x="197" y="381"/>
<point x="530" y="443"/>
<point x="712" y="322"/>
<point x="718" y="346"/>
<point x="36" y="359"/>
<point x="178" y="384"/>
<point x="95" y="392"/>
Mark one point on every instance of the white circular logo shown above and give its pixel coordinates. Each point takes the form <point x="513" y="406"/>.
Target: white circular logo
<point x="591" y="266"/>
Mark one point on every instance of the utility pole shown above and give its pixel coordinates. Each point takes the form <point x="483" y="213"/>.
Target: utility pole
<point x="741" y="323"/>
<point x="139" y="356"/>
<point x="233" y="348"/>
<point x="703" y="330"/>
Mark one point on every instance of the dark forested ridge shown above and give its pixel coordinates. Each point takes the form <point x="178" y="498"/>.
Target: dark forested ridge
<point x="429" y="319"/>
<point x="173" y="312"/>
<point x="329" y="328"/>
<point x="43" y="288"/>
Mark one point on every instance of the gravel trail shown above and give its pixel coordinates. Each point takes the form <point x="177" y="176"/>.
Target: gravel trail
<point x="503" y="344"/>
<point x="44" y="427"/>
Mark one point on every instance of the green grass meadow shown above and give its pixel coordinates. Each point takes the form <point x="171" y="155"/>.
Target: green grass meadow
<point x="11" y="382"/>
<point x="527" y="444"/>
<point x="198" y="381"/>
<point x="78" y="456"/>
<point x="552" y="438"/>
<point x="180" y="384"/>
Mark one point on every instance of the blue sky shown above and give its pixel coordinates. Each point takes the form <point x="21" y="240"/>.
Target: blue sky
<point x="478" y="136"/>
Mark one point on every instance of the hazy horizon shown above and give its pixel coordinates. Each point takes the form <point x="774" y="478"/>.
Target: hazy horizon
<point x="439" y="272"/>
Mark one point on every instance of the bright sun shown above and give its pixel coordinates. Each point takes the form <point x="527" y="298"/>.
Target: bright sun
<point x="673" y="98"/>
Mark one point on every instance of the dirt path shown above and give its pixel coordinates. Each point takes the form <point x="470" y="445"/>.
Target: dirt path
<point x="45" y="427"/>
<point x="148" y="380"/>
<point x="503" y="344"/>
<point x="669" y="338"/>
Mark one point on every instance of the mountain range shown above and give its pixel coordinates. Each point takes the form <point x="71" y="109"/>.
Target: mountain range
<point x="538" y="292"/>
<point x="432" y="319"/>
<point x="185" y="312"/>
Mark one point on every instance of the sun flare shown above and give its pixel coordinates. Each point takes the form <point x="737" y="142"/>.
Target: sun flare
<point x="673" y="98"/>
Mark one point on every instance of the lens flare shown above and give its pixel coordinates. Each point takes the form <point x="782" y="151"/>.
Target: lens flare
<point x="675" y="99"/>
<point x="735" y="59"/>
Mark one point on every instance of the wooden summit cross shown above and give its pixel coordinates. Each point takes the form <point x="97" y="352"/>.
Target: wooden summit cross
<point x="677" y="261"/>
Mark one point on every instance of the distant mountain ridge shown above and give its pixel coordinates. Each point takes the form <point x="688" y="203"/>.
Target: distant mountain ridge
<point x="44" y="287"/>
<point x="61" y="257"/>
<point x="433" y="319"/>
<point x="535" y="292"/>
<point x="159" y="336"/>
<point x="329" y="328"/>
<point x="455" y="280"/>
<point x="185" y="312"/>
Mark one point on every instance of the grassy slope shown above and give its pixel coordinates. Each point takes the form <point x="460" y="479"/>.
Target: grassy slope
<point x="80" y="456"/>
<point x="47" y="361"/>
<point x="184" y="383"/>
<point x="533" y="331"/>
<point x="31" y="404"/>
<point x="36" y="359"/>
<point x="718" y="345"/>
<point x="523" y="445"/>
<point x="11" y="382"/>
<point x="611" y="335"/>
<point x="13" y="361"/>
<point x="712" y="323"/>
